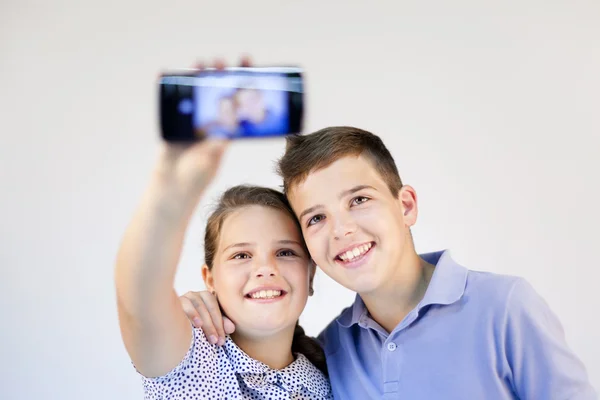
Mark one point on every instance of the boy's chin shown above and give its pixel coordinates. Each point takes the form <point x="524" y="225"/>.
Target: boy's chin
<point x="363" y="285"/>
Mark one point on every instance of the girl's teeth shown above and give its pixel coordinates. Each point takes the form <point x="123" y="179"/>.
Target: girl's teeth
<point x="266" y="294"/>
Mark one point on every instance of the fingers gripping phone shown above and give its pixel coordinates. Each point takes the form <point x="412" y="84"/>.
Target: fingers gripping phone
<point x="231" y="103"/>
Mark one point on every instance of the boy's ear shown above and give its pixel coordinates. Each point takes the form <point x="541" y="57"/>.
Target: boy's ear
<point x="408" y="201"/>
<point x="208" y="278"/>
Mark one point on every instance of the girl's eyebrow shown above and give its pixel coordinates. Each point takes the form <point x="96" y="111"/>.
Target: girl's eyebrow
<point x="287" y="241"/>
<point x="243" y="244"/>
<point x="248" y="244"/>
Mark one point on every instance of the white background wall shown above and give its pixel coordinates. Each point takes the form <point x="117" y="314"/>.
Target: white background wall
<point x="491" y="109"/>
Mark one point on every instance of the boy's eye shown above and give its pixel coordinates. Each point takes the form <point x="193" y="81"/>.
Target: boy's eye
<point x="316" y="219"/>
<point x="241" y="256"/>
<point x="286" y="253"/>
<point x="359" y="200"/>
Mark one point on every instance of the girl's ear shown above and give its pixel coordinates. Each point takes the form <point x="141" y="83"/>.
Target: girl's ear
<point x="208" y="278"/>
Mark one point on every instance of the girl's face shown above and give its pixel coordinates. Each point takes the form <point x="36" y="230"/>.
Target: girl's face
<point x="227" y="114"/>
<point x="261" y="273"/>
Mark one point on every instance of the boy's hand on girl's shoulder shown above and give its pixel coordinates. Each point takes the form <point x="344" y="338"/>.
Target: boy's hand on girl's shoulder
<point x="203" y="310"/>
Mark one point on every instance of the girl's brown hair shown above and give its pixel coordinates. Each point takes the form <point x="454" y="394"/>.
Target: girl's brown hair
<point x="234" y="199"/>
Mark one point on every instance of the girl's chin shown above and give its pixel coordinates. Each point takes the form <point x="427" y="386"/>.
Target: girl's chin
<point x="263" y="329"/>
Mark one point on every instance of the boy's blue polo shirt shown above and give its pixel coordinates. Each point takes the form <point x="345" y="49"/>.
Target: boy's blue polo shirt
<point x="475" y="335"/>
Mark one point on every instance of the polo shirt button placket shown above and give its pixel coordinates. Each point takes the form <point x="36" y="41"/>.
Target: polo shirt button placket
<point x="392" y="368"/>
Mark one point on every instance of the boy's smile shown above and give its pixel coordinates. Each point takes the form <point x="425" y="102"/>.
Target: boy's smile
<point x="355" y="255"/>
<point x="355" y="228"/>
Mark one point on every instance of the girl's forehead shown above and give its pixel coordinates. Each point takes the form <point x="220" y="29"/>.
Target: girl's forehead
<point x="258" y="224"/>
<point x="256" y="214"/>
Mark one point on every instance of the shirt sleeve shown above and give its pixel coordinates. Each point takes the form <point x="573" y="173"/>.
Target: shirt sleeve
<point x="200" y="358"/>
<point x="542" y="364"/>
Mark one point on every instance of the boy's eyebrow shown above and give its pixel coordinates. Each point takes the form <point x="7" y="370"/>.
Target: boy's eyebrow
<point x="309" y="210"/>
<point x="341" y="195"/>
<point x="354" y="190"/>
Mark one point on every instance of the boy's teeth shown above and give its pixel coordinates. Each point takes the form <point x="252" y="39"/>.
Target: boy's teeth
<point x="357" y="251"/>
<point x="266" y="294"/>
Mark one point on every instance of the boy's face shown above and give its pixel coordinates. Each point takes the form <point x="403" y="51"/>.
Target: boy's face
<point x="355" y="229"/>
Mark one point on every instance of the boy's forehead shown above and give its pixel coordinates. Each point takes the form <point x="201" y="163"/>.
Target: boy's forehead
<point x="330" y="180"/>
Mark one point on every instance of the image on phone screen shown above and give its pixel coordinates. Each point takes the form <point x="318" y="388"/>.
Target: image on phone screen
<point x="250" y="102"/>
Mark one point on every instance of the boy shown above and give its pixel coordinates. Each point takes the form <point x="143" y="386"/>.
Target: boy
<point x="421" y="327"/>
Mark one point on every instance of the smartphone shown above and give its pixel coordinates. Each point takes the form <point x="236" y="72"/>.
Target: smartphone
<point x="232" y="103"/>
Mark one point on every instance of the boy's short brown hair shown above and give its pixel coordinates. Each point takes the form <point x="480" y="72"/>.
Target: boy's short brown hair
<point x="308" y="153"/>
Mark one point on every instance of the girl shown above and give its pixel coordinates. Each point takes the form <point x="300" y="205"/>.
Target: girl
<point x="256" y="264"/>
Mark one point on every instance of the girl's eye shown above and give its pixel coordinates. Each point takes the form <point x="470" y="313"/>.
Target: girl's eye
<point x="359" y="200"/>
<point x="241" y="256"/>
<point x="316" y="219"/>
<point x="286" y="253"/>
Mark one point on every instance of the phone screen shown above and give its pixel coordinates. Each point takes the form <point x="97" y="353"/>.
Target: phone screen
<point x="238" y="102"/>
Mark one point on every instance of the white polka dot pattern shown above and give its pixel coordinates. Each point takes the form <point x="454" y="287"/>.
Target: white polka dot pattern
<point x="212" y="372"/>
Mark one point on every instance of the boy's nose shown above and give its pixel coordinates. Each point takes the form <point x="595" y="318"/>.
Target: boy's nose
<point x="343" y="228"/>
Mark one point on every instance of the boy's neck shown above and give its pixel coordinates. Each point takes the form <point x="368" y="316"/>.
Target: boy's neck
<point x="389" y="305"/>
<point x="274" y="351"/>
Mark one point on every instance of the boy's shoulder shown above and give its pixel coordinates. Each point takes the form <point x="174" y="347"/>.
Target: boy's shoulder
<point x="455" y="284"/>
<point x="503" y="298"/>
<point x="503" y="291"/>
<point x="513" y="295"/>
<point x="490" y="285"/>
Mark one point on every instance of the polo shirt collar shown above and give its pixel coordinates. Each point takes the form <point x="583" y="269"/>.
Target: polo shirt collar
<point x="448" y="282"/>
<point x="446" y="287"/>
<point x="257" y="375"/>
